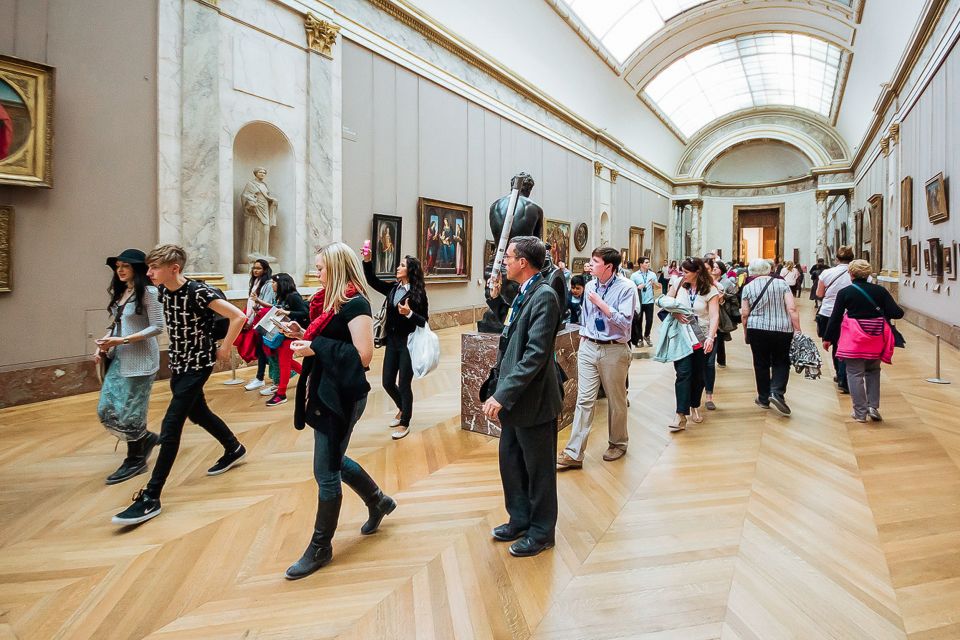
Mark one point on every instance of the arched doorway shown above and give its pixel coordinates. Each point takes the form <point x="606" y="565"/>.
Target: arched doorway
<point x="604" y="229"/>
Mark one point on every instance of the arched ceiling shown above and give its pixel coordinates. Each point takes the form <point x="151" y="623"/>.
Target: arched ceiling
<point x="696" y="62"/>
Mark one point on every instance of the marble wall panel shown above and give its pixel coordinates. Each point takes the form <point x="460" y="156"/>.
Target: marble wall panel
<point x="479" y="355"/>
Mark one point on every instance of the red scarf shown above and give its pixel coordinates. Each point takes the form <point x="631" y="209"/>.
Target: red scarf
<point x="320" y="318"/>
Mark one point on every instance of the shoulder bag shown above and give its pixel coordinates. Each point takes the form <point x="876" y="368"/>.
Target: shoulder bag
<point x="746" y="334"/>
<point x="898" y="339"/>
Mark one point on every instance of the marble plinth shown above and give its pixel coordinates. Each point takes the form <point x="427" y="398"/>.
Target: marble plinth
<point x="479" y="354"/>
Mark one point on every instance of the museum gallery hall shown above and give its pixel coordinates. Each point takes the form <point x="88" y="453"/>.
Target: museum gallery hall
<point x="553" y="319"/>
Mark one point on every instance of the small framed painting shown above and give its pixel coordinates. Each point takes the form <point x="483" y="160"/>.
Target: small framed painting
<point x="906" y="203"/>
<point x="954" y="248"/>
<point x="936" y="189"/>
<point x="905" y="255"/>
<point x="580" y="236"/>
<point x="386" y="245"/>
<point x="948" y="266"/>
<point x="915" y="257"/>
<point x="936" y="258"/>
<point x="624" y="257"/>
<point x="926" y="259"/>
<point x="578" y="266"/>
<point x="489" y="251"/>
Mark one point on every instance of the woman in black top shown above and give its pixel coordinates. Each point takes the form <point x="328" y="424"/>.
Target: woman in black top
<point x="815" y="280"/>
<point x="291" y="304"/>
<point x="407" y="309"/>
<point x="862" y="301"/>
<point x="331" y="395"/>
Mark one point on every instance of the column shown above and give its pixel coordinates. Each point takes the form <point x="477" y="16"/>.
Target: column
<point x="822" y="224"/>
<point x="675" y="232"/>
<point x="891" y="217"/>
<point x="696" y="228"/>
<point x="324" y="222"/>
<point x="200" y="141"/>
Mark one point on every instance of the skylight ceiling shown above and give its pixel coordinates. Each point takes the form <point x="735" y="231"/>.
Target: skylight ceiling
<point x="756" y="70"/>
<point x="623" y="25"/>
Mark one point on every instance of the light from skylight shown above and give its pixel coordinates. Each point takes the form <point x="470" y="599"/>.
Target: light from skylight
<point x="748" y="71"/>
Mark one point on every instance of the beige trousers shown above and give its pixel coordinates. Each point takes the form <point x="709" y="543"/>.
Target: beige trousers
<point x="607" y="364"/>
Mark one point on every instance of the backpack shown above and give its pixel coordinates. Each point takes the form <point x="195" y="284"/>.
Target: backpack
<point x="216" y="325"/>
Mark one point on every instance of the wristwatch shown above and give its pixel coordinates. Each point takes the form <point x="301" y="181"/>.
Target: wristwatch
<point x="126" y="341"/>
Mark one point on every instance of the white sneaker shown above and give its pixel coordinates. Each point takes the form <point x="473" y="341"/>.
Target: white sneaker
<point x="394" y="423"/>
<point x="253" y="385"/>
<point x="269" y="391"/>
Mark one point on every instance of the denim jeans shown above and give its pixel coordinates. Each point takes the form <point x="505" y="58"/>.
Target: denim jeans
<point x="688" y="386"/>
<point x="328" y="479"/>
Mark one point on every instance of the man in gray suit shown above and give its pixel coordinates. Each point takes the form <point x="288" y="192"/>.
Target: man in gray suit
<point x="527" y="399"/>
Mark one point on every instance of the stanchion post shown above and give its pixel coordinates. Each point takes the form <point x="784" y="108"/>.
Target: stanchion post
<point x="937" y="379"/>
<point x="234" y="380"/>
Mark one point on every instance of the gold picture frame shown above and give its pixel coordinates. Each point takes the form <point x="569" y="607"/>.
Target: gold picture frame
<point x="444" y="240"/>
<point x="556" y="233"/>
<point x="906" y="203"/>
<point x="635" y="240"/>
<point x="936" y="192"/>
<point x="6" y="240"/>
<point x="26" y="112"/>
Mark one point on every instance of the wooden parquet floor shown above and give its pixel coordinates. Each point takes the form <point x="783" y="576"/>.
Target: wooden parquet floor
<point x="749" y="526"/>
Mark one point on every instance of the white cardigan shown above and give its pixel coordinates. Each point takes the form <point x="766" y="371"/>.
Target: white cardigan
<point x="140" y="358"/>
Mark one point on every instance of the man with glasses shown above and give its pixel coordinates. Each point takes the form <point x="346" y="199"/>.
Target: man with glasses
<point x="526" y="398"/>
<point x="603" y="358"/>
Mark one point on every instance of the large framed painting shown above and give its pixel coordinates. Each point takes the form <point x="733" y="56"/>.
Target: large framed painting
<point x="905" y="255"/>
<point x="579" y="264"/>
<point x="6" y="239"/>
<point x="386" y="245"/>
<point x="906" y="203"/>
<point x="636" y="244"/>
<point x="580" y="236"/>
<point x="444" y="232"/>
<point x="556" y="233"/>
<point x="26" y="123"/>
<point x="936" y="190"/>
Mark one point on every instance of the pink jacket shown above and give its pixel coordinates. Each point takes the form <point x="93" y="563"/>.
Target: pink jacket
<point x="868" y="338"/>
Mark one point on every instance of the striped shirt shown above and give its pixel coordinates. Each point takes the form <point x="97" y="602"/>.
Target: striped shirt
<point x="770" y="314"/>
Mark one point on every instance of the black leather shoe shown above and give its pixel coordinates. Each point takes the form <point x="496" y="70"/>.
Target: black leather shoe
<point x="507" y="533"/>
<point x="127" y="470"/>
<point x="527" y="547"/>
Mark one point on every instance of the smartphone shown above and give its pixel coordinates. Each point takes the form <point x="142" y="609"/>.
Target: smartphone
<point x="366" y="248"/>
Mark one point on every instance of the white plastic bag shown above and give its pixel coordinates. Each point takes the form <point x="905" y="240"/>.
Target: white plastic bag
<point x="424" y="347"/>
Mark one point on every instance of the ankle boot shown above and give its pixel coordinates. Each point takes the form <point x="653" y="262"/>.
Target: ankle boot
<point x="378" y="506"/>
<point x="320" y="550"/>
<point x="132" y="465"/>
<point x="148" y="442"/>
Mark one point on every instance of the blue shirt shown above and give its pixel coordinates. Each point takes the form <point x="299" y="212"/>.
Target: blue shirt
<point x="639" y="279"/>
<point x="619" y="294"/>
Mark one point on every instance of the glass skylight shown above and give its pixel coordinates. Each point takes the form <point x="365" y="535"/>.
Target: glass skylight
<point x="748" y="71"/>
<point x="623" y="25"/>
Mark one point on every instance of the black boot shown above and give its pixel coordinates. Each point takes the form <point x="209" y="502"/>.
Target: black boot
<point x="378" y="506"/>
<point x="149" y="441"/>
<point x="320" y="551"/>
<point x="132" y="465"/>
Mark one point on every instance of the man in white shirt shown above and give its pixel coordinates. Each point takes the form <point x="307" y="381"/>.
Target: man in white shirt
<point x="830" y="283"/>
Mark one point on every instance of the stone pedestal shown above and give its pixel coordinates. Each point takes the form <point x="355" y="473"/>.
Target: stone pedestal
<point x="479" y="354"/>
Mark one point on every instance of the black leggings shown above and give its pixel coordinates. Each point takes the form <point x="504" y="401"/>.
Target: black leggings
<point x="396" y="360"/>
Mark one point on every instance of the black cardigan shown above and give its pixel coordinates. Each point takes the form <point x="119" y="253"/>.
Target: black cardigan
<point x="398" y="326"/>
<point x="297" y="307"/>
<point x="856" y="305"/>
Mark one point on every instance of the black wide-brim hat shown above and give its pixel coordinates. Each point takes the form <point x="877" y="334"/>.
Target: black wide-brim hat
<point x="130" y="256"/>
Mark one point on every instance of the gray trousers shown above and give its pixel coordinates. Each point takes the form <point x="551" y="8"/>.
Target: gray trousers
<point x="596" y="364"/>
<point x="863" y="376"/>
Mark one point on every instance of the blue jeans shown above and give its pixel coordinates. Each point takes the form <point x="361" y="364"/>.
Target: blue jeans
<point x="350" y="472"/>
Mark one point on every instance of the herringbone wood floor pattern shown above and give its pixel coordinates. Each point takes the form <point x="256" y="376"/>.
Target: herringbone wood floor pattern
<point x="749" y="526"/>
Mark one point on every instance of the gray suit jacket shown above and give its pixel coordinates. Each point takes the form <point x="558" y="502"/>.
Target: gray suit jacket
<point x="528" y="387"/>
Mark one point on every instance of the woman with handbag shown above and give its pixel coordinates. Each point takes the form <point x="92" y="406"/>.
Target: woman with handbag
<point x="289" y="303"/>
<point x="331" y="395"/>
<point x="131" y="355"/>
<point x="406" y="309"/>
<point x="259" y="294"/>
<point x="718" y="357"/>
<point x="860" y="327"/>
<point x="694" y="303"/>
<point x="770" y="318"/>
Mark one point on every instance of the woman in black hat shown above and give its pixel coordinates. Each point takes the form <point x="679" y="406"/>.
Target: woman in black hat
<point x="132" y="358"/>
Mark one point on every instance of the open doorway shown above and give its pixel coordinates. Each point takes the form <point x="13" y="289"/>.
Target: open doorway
<point x="660" y="249"/>
<point x="757" y="232"/>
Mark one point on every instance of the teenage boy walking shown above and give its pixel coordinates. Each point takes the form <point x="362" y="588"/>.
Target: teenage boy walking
<point x="189" y="308"/>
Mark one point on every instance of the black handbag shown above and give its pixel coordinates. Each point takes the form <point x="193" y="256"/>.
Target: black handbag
<point x="898" y="339"/>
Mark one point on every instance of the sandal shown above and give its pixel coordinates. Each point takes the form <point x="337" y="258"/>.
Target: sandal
<point x="695" y="415"/>
<point x="679" y="423"/>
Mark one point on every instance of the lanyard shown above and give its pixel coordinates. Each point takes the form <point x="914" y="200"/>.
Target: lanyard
<point x="515" y="308"/>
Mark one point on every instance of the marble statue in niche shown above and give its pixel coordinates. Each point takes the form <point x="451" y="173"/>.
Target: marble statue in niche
<point x="528" y="220"/>
<point x="259" y="217"/>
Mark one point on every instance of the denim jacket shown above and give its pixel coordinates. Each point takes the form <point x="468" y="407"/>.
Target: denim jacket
<point x="676" y="339"/>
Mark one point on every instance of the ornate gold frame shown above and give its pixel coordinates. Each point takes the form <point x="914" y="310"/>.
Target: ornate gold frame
<point x="6" y="239"/>
<point x="31" y="165"/>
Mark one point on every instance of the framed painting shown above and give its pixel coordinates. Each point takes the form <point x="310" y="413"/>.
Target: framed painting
<point x="948" y="266"/>
<point x="444" y="230"/>
<point x="843" y="233"/>
<point x="905" y="255"/>
<point x="954" y="248"/>
<point x="580" y="236"/>
<point x="936" y="191"/>
<point x="636" y="244"/>
<point x="26" y="123"/>
<point x="386" y="245"/>
<point x="915" y="257"/>
<point x="906" y="203"/>
<point x="6" y="240"/>
<point x="624" y="257"/>
<point x="936" y="258"/>
<point x="578" y="266"/>
<point x="926" y="260"/>
<point x="556" y="233"/>
<point x="489" y="251"/>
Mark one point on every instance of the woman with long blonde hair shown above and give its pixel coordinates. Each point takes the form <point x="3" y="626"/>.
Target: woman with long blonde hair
<point x="331" y="395"/>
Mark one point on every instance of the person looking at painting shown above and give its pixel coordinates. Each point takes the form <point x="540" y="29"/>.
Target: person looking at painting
<point x="407" y="309"/>
<point x="134" y="359"/>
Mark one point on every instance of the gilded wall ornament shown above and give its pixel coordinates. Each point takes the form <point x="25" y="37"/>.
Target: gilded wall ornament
<point x="613" y="175"/>
<point x="597" y="168"/>
<point x="321" y="35"/>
